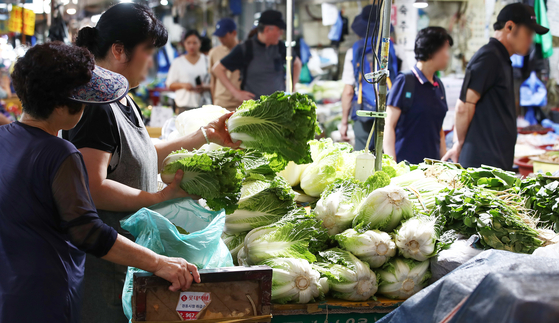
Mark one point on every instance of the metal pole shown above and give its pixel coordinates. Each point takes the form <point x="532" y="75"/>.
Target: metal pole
<point x="379" y="124"/>
<point x="289" y="57"/>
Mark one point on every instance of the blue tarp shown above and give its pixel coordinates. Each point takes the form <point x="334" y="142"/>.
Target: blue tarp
<point x="495" y="286"/>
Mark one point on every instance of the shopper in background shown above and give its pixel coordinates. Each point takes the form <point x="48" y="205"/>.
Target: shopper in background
<point x="226" y="31"/>
<point x="416" y="103"/>
<point x="205" y="45"/>
<point x="188" y="75"/>
<point x="260" y="59"/>
<point x="485" y="120"/>
<point x="47" y="218"/>
<point x="120" y="158"/>
<point x="357" y="93"/>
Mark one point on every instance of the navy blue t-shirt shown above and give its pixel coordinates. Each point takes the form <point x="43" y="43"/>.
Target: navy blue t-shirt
<point x="47" y="222"/>
<point x="418" y="131"/>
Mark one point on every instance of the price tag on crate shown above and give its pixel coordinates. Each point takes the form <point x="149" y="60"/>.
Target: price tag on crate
<point x="191" y="304"/>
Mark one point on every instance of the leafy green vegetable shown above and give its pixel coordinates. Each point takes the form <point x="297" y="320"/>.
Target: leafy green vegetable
<point x="401" y="278"/>
<point x="338" y="205"/>
<point x="383" y="209"/>
<point x="294" y="280"/>
<point x="542" y="195"/>
<point x="292" y="173"/>
<point x="258" y="163"/>
<point x="378" y="180"/>
<point x="417" y="238"/>
<point x="477" y="210"/>
<point x="297" y="235"/>
<point x="262" y="202"/>
<point x="234" y="243"/>
<point x="348" y="277"/>
<point x="215" y="175"/>
<point x="181" y="230"/>
<point x="423" y="190"/>
<point x="373" y="247"/>
<point x="340" y="200"/>
<point x="388" y="163"/>
<point x="489" y="177"/>
<point x="331" y="161"/>
<point x="279" y="124"/>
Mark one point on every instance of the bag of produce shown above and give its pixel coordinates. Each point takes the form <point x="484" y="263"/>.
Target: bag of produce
<point x="157" y="229"/>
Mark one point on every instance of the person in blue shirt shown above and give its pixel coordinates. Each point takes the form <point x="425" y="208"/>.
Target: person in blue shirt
<point x="48" y="221"/>
<point x="357" y="93"/>
<point x="416" y="103"/>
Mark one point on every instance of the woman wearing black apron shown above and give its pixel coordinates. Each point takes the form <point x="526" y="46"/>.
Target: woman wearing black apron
<point x="120" y="158"/>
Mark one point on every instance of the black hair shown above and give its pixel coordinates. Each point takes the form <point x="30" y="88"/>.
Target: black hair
<point x="46" y="76"/>
<point x="499" y="25"/>
<point x="252" y="32"/>
<point x="191" y="32"/>
<point x="206" y="45"/>
<point x="429" y="40"/>
<point x="129" y="24"/>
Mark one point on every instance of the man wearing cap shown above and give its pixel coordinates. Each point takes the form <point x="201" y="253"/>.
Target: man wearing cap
<point x="485" y="120"/>
<point x="260" y="60"/>
<point x="226" y="31"/>
<point x="357" y="93"/>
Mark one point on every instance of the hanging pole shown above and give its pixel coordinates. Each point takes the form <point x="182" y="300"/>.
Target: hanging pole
<point x="379" y="124"/>
<point x="289" y="40"/>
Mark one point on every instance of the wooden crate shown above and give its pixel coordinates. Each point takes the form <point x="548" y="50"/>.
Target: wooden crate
<point x="153" y="302"/>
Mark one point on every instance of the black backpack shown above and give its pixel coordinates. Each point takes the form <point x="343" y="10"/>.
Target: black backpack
<point x="248" y="53"/>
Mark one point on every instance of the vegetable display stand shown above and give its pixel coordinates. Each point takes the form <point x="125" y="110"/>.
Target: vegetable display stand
<point x="334" y="311"/>
<point x="232" y="294"/>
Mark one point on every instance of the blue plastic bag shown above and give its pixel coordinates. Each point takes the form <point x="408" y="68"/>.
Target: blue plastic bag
<point x="154" y="228"/>
<point x="533" y="92"/>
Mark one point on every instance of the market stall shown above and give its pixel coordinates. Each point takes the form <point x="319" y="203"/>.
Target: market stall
<point x="339" y="249"/>
<point x="293" y="226"/>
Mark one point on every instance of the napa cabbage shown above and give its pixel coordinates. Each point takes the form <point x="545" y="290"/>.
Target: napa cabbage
<point x="383" y="209"/>
<point x="417" y="238"/>
<point x="348" y="277"/>
<point x="262" y="202"/>
<point x="292" y="173"/>
<point x="393" y="168"/>
<point x="279" y="124"/>
<point x="401" y="278"/>
<point x="331" y="161"/>
<point x="373" y="247"/>
<point x="294" y="280"/>
<point x="258" y="163"/>
<point x="338" y="205"/>
<point x="214" y="175"/>
<point x="297" y="235"/>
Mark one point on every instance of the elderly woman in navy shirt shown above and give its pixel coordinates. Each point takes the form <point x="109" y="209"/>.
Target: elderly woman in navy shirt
<point x="47" y="217"/>
<point x="417" y="102"/>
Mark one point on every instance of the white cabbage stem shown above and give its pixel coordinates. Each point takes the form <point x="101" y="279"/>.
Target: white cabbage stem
<point x="382" y="248"/>
<point x="417" y="238"/>
<point x="408" y="285"/>
<point x="364" y="287"/>
<point x="302" y="282"/>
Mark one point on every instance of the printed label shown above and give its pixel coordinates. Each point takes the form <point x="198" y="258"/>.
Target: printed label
<point x="191" y="304"/>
